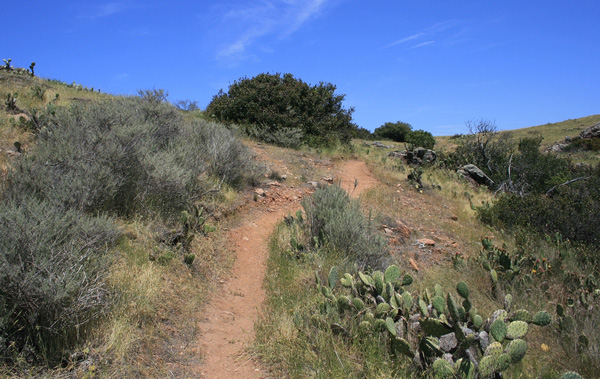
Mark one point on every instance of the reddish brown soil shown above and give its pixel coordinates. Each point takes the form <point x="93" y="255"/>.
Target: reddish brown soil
<point x="228" y="329"/>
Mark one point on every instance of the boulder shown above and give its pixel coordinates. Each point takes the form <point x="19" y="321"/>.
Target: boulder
<point x="473" y="172"/>
<point x="417" y="156"/>
<point x="591" y="132"/>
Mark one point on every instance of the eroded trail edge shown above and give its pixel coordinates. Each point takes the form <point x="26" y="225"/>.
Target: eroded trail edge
<point x="228" y="329"/>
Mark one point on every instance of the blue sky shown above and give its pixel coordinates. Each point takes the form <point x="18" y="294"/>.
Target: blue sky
<point x="433" y="64"/>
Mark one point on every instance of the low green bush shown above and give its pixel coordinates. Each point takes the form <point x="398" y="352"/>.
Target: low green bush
<point x="285" y="110"/>
<point x="421" y="138"/>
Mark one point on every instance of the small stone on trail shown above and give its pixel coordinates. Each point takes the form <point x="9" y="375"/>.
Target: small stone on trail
<point x="313" y="184"/>
<point x="328" y="179"/>
<point x="259" y="191"/>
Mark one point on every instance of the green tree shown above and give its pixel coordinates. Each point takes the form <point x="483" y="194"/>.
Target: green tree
<point x="284" y="110"/>
<point x="421" y="138"/>
<point x="396" y="131"/>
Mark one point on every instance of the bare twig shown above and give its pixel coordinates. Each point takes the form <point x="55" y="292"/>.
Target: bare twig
<point x="567" y="183"/>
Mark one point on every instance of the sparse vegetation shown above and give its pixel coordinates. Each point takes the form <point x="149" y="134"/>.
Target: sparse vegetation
<point x="111" y="240"/>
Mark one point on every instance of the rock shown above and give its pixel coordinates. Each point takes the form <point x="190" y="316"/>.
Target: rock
<point x="417" y="156"/>
<point x="557" y="147"/>
<point x="413" y="263"/>
<point x="380" y="145"/>
<point x="473" y="172"/>
<point x="403" y="230"/>
<point x="591" y="132"/>
<point x="328" y="179"/>
<point x="426" y="242"/>
<point x="260" y="192"/>
<point x="426" y="155"/>
<point x="274" y="184"/>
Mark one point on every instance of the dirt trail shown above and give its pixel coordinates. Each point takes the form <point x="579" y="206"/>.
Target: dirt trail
<point x="229" y="327"/>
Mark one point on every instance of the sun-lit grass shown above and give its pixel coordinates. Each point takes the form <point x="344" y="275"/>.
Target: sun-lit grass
<point x="551" y="133"/>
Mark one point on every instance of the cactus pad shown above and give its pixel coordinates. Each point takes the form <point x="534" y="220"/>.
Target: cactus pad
<point x="516" y="329"/>
<point x="366" y="279"/>
<point x="407" y="280"/>
<point x="542" y="318"/>
<point x="508" y="299"/>
<point x="486" y="366"/>
<point x="442" y="369"/>
<point x="423" y="308"/>
<point x="521" y="315"/>
<point x="494" y="349"/>
<point x="498" y="330"/>
<point x="358" y="304"/>
<point x="516" y="350"/>
<point x="343" y="302"/>
<point x="435" y="327"/>
<point x="500" y="314"/>
<point x="380" y="325"/>
<point x="430" y="346"/>
<point x="477" y="322"/>
<point x="463" y="290"/>
<point x="401" y="346"/>
<point x="438" y="304"/>
<point x="379" y="281"/>
<point x="437" y="291"/>
<point x="452" y="308"/>
<point x="391" y="326"/>
<point x="392" y="273"/>
<point x="347" y="280"/>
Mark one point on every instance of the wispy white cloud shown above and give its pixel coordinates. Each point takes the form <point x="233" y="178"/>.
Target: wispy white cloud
<point x="405" y="39"/>
<point x="264" y="19"/>
<point x="103" y="10"/>
<point x="423" y="44"/>
<point x="428" y="35"/>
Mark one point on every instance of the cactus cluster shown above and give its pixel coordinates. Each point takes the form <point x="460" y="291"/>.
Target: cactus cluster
<point x="11" y="102"/>
<point x="436" y="330"/>
<point x="193" y="222"/>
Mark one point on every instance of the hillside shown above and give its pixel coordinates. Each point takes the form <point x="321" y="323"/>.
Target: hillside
<point x="551" y="133"/>
<point x="209" y="253"/>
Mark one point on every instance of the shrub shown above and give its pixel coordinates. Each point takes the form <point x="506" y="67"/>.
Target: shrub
<point x="421" y="138"/>
<point x="53" y="264"/>
<point x="395" y="131"/>
<point x="573" y="211"/>
<point x="484" y="148"/>
<point x="271" y="103"/>
<point x="126" y="156"/>
<point x="337" y="221"/>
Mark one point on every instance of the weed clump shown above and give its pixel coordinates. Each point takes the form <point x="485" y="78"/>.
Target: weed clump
<point x="337" y="221"/>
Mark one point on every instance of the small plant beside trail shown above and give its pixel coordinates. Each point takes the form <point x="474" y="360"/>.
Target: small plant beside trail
<point x="433" y="329"/>
<point x="337" y="222"/>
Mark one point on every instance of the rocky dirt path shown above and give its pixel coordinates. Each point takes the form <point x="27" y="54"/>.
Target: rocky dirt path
<point x="228" y="329"/>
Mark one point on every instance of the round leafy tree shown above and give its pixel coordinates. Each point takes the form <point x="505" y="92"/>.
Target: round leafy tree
<point x="421" y="138"/>
<point x="396" y="131"/>
<point x="284" y="110"/>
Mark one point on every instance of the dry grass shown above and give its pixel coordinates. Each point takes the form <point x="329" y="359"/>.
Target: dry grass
<point x="551" y="132"/>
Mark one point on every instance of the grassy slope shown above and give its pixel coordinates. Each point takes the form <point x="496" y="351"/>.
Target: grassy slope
<point x="155" y="314"/>
<point x="551" y="132"/>
<point x="293" y="342"/>
<point x="152" y="318"/>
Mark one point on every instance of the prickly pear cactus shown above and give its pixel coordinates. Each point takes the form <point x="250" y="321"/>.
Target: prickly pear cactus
<point x="431" y="328"/>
